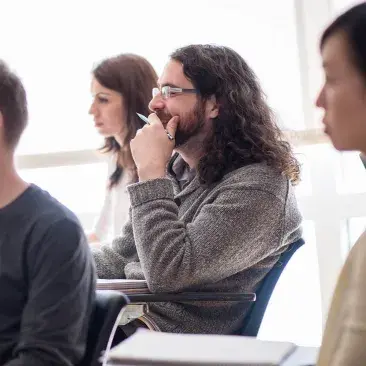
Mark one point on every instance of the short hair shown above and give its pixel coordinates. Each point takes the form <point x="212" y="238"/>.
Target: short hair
<point x="353" y="25"/>
<point x="13" y="105"/>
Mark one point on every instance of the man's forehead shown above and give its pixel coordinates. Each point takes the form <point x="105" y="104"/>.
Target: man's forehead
<point x="173" y="75"/>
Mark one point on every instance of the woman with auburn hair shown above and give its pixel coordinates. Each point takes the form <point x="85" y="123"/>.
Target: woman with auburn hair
<point x="121" y="87"/>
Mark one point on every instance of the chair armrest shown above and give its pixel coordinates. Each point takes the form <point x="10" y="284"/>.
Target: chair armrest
<point x="192" y="296"/>
<point x="137" y="291"/>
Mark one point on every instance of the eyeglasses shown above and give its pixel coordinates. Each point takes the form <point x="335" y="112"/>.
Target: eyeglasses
<point x="168" y="91"/>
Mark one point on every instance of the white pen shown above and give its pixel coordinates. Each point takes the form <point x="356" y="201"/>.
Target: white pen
<point x="170" y="137"/>
<point x="143" y="118"/>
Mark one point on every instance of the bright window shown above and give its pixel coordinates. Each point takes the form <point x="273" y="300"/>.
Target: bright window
<point x="79" y="187"/>
<point x="63" y="40"/>
<point x="294" y="312"/>
<point x="338" y="6"/>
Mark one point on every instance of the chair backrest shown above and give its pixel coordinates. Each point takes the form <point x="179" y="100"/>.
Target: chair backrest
<point x="253" y="319"/>
<point x="102" y="326"/>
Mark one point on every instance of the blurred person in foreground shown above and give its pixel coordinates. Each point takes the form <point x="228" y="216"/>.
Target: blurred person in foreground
<point x="47" y="275"/>
<point x="343" y="99"/>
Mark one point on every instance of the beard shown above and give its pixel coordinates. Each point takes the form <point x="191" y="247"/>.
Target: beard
<point x="190" y="124"/>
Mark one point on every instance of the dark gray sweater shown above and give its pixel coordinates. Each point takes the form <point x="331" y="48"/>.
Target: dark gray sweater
<point x="47" y="283"/>
<point x="224" y="237"/>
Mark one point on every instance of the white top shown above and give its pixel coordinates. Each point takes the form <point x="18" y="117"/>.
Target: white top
<point x="115" y="208"/>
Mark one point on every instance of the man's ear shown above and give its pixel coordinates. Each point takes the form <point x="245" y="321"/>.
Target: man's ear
<point x="212" y="107"/>
<point x="1" y="120"/>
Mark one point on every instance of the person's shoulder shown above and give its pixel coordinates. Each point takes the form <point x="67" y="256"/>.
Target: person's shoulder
<point x="358" y="250"/>
<point x="354" y="267"/>
<point x="254" y="172"/>
<point x="54" y="226"/>
<point x="257" y="176"/>
<point x="47" y="210"/>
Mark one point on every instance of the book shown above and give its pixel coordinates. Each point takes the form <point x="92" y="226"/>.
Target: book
<point x="155" y="348"/>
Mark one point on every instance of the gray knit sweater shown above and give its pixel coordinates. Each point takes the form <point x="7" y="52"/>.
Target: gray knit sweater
<point x="222" y="238"/>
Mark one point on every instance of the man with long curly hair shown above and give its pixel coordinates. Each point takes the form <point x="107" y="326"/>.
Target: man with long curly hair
<point x="217" y="214"/>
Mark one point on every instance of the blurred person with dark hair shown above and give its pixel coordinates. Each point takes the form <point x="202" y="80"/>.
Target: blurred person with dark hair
<point x="343" y="99"/>
<point x="121" y="87"/>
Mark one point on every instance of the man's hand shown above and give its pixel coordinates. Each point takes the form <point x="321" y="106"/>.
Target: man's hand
<point x="151" y="148"/>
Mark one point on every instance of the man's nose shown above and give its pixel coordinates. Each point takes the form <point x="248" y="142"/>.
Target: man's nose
<point x="156" y="103"/>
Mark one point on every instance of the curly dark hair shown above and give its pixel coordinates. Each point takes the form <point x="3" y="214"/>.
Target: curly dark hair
<point x="245" y="131"/>
<point x="134" y="77"/>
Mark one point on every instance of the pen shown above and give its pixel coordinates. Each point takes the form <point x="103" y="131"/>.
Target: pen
<point x="143" y="118"/>
<point x="170" y="137"/>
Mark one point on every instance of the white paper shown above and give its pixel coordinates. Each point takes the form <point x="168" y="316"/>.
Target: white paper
<point x="156" y="348"/>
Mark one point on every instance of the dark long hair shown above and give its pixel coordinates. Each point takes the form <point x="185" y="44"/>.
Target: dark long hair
<point x="245" y="131"/>
<point x="133" y="77"/>
<point x="353" y="25"/>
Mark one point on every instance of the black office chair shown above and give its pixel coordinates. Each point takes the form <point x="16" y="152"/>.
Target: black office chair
<point x="102" y="326"/>
<point x="255" y="316"/>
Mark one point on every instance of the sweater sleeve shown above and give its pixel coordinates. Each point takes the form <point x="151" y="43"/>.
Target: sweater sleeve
<point x="234" y="231"/>
<point x="111" y="260"/>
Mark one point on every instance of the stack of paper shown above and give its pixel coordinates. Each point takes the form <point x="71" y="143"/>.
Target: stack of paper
<point x="155" y="348"/>
<point x="126" y="286"/>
